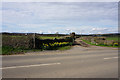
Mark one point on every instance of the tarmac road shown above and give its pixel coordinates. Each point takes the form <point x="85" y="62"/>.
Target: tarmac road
<point x="78" y="62"/>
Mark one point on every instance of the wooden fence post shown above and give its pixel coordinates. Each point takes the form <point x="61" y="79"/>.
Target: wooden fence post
<point x="73" y="36"/>
<point x="34" y="36"/>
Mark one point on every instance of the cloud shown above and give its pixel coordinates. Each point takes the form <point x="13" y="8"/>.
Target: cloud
<point x="58" y="16"/>
<point x="32" y="25"/>
<point x="60" y="0"/>
<point x="99" y="29"/>
<point x="62" y="11"/>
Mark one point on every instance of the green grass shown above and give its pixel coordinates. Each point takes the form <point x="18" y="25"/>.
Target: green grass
<point x="112" y="38"/>
<point x="8" y="50"/>
<point x="98" y="44"/>
<point x="13" y="36"/>
<point x="18" y="36"/>
<point x="87" y="42"/>
<point x="64" y="48"/>
<point x="49" y="37"/>
<point x="41" y="37"/>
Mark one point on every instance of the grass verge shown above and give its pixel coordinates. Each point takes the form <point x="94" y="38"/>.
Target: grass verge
<point x="64" y="48"/>
<point x="99" y="44"/>
<point x="8" y="50"/>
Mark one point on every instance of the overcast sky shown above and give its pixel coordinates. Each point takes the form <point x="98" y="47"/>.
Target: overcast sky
<point x="62" y="17"/>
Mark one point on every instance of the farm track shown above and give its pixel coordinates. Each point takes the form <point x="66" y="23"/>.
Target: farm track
<point x="78" y="41"/>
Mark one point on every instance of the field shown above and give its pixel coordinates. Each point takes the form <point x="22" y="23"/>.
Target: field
<point x="112" y="38"/>
<point x="41" y="37"/>
<point x="49" y="37"/>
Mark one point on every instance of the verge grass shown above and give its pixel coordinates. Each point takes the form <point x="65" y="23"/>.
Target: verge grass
<point x="64" y="48"/>
<point x="8" y="50"/>
<point x="99" y="44"/>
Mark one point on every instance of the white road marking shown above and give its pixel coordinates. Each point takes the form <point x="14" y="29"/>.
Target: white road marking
<point x="110" y="57"/>
<point x="30" y="66"/>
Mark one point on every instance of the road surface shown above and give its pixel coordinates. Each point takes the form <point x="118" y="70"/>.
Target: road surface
<point x="78" y="62"/>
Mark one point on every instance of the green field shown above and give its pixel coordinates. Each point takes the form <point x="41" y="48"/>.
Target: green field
<point x="41" y="37"/>
<point x="49" y="37"/>
<point x="112" y="38"/>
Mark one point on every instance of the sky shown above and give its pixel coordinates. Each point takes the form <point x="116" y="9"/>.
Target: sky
<point x="61" y="17"/>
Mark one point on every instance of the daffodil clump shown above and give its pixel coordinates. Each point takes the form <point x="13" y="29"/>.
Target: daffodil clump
<point x="115" y="44"/>
<point x="54" y="45"/>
